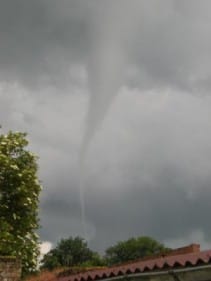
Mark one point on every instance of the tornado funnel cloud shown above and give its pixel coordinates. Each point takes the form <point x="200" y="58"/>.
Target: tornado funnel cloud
<point x="105" y="79"/>
<point x="106" y="65"/>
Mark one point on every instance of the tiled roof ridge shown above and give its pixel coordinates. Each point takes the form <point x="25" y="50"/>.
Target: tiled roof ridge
<point x="174" y="259"/>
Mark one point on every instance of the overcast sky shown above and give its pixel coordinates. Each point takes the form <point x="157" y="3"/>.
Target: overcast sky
<point x="125" y="85"/>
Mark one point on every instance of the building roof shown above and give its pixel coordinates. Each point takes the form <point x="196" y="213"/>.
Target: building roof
<point x="189" y="256"/>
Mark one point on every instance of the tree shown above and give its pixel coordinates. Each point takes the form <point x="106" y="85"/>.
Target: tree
<point x="71" y="252"/>
<point x="132" y="249"/>
<point x="19" y="193"/>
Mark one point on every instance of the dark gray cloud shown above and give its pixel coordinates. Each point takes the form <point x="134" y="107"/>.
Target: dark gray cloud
<point x="148" y="165"/>
<point x="147" y="172"/>
<point x="168" y="41"/>
<point x="39" y="40"/>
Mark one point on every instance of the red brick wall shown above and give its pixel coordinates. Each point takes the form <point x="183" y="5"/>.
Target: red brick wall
<point x="10" y="269"/>
<point x="193" y="248"/>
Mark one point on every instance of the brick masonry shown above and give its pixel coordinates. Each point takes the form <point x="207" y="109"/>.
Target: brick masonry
<point x="10" y="269"/>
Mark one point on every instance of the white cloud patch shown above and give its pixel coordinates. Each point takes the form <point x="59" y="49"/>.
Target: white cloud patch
<point x="45" y="247"/>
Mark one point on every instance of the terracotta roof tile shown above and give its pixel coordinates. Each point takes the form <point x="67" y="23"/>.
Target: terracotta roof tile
<point x="173" y="260"/>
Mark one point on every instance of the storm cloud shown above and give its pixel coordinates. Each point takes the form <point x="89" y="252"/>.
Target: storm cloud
<point x="141" y="71"/>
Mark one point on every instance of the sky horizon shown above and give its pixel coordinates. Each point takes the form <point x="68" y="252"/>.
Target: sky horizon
<point x="115" y="98"/>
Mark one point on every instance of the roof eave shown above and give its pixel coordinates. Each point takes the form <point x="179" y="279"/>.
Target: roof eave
<point x="198" y="273"/>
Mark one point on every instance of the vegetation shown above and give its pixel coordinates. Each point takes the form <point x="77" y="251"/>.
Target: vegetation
<point x="19" y="193"/>
<point x="61" y="261"/>
<point x="71" y="252"/>
<point x="132" y="249"/>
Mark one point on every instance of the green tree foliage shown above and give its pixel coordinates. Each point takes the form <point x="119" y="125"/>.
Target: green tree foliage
<point x="71" y="252"/>
<point x="132" y="249"/>
<point x="19" y="192"/>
